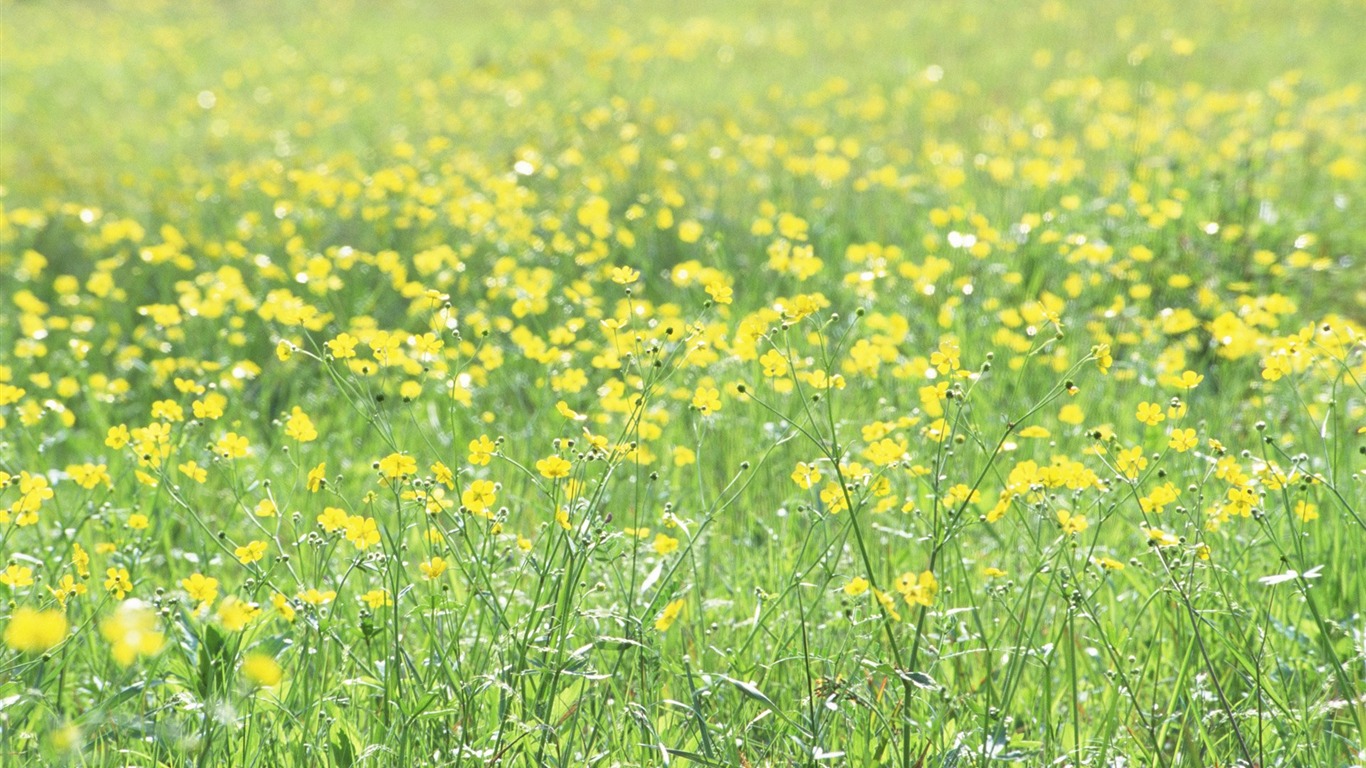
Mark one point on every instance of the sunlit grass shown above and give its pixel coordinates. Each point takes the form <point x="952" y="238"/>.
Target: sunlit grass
<point x="935" y="385"/>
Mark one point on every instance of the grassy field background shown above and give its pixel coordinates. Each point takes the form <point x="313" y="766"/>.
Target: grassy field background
<point x="932" y="384"/>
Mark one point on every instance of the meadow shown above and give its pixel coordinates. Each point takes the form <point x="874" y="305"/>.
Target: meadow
<point x="927" y="385"/>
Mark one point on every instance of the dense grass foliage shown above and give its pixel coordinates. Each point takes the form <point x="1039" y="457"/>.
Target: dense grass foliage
<point x="913" y="384"/>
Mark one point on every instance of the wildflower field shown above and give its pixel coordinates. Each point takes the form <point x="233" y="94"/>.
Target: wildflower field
<point x="928" y="385"/>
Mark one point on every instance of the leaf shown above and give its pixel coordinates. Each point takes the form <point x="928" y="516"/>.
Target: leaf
<point x="343" y="751"/>
<point x="124" y="695"/>
<point x="751" y="690"/>
<point x="366" y="681"/>
<point x="693" y="756"/>
<point x="1279" y="578"/>
<point x="607" y="643"/>
<point x="213" y="663"/>
<point x="652" y="577"/>
<point x="919" y="680"/>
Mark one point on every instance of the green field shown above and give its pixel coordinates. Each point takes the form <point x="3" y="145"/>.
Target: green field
<point x="928" y="385"/>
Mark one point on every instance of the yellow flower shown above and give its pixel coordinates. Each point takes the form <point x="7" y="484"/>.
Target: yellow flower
<point x="15" y="576"/>
<point x="376" y="599"/>
<point x="231" y="446"/>
<point x="361" y="531"/>
<point x="313" y="596"/>
<point x="88" y="476"/>
<point x="689" y="231"/>
<point x="443" y="474"/>
<point x="11" y="394"/>
<point x="1071" y="414"/>
<point x="1161" y="496"/>
<point x="235" y="614"/>
<point x="569" y="413"/>
<point x="888" y="604"/>
<point x="481" y="450"/>
<point x="80" y="559"/>
<point x="202" y="588"/>
<point x="806" y="475"/>
<point x="707" y="400"/>
<point x="67" y="587"/>
<point x="434" y="501"/>
<point x="262" y="670"/>
<point x="397" y="465"/>
<point x="1071" y="524"/>
<point x="664" y="544"/>
<point x="833" y="497"/>
<point x="317" y="477"/>
<point x="624" y="275"/>
<point x="1276" y="366"/>
<point x="961" y="493"/>
<point x="479" y="496"/>
<point x="265" y="508"/>
<point x="553" y="467"/>
<point x="300" y="427"/>
<point x="118" y="582"/>
<point x="210" y="407"/>
<point x="1161" y="538"/>
<point x="333" y="519"/>
<point x="946" y="358"/>
<point x="34" y="631"/>
<point x="1101" y="354"/>
<point x="1306" y="511"/>
<point x="33" y="491"/>
<point x="282" y="606"/>
<point x="856" y="586"/>
<point x="433" y="568"/>
<point x="993" y="573"/>
<point x="343" y="347"/>
<point x="1150" y="414"/>
<point x="1187" y="380"/>
<point x="1182" y="440"/>
<point x="250" y="552"/>
<point x="885" y="452"/>
<point x="132" y="631"/>
<point x="937" y="430"/>
<point x="1131" y="461"/>
<point x="669" y="615"/>
<point x="918" y="590"/>
<point x="117" y="437"/>
<point x="167" y="410"/>
<point x="193" y="471"/>
<point x="774" y="363"/>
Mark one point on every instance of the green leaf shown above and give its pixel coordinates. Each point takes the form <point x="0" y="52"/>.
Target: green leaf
<point x="693" y="756"/>
<point x="213" y="663"/>
<point x="343" y="751"/>
<point x="752" y="691"/>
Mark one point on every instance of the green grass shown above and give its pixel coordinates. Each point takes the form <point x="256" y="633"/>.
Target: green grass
<point x="1025" y="223"/>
